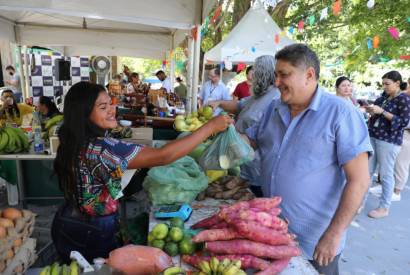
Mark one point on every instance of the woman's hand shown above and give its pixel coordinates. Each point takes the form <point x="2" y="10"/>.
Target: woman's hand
<point x="214" y="104"/>
<point x="374" y="109"/>
<point x="220" y="123"/>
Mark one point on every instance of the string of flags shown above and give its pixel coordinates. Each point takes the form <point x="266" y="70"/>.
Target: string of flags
<point x="372" y="43"/>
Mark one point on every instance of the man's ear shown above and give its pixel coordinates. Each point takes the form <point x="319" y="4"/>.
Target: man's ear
<point x="310" y="74"/>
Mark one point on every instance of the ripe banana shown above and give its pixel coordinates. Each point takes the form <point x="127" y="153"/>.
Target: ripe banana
<point x="45" y="271"/>
<point x="213" y="263"/>
<point x="55" y="269"/>
<point x="222" y="265"/>
<point x="74" y="268"/>
<point x="205" y="267"/>
<point x="176" y="270"/>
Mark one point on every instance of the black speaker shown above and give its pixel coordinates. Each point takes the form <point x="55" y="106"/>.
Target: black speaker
<point x="62" y="68"/>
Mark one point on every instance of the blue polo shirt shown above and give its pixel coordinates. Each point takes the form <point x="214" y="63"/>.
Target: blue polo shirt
<point x="302" y="160"/>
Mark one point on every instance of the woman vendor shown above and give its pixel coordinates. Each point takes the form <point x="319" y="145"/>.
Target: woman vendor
<point x="47" y="108"/>
<point x="12" y="112"/>
<point x="89" y="167"/>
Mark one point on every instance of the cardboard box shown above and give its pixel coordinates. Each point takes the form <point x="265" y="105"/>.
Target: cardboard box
<point x="142" y="133"/>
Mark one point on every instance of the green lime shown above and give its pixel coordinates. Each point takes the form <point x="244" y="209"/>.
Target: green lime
<point x="171" y="249"/>
<point x="176" y="234"/>
<point x="168" y="238"/>
<point x="158" y="244"/>
<point x="150" y="237"/>
<point x="186" y="246"/>
<point x="160" y="231"/>
<point x="177" y="222"/>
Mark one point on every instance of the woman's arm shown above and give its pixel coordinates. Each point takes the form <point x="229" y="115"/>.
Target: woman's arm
<point x="149" y="157"/>
<point x="230" y="106"/>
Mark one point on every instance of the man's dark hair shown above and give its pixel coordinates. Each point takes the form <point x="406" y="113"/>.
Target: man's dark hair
<point x="179" y="79"/>
<point x="217" y="71"/>
<point x="159" y="72"/>
<point x="248" y="69"/>
<point x="299" y="54"/>
<point x="9" y="67"/>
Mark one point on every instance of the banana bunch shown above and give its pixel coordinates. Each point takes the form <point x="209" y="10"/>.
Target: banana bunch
<point x="175" y="270"/>
<point x="52" y="123"/>
<point x="56" y="269"/>
<point x="224" y="267"/>
<point x="13" y="140"/>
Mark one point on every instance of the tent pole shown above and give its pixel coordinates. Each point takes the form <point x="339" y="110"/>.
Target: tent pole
<point x="196" y="68"/>
<point x="172" y="63"/>
<point x="191" y="47"/>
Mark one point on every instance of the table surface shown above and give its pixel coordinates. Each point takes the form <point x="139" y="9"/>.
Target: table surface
<point x="27" y="156"/>
<point x="206" y="208"/>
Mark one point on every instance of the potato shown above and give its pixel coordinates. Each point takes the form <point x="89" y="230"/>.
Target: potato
<point x="229" y="194"/>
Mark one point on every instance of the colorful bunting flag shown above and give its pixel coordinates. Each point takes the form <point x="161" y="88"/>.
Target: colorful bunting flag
<point x="408" y="19"/>
<point x="369" y="44"/>
<point x="253" y="49"/>
<point x="394" y="32"/>
<point x="370" y="4"/>
<point x="337" y="7"/>
<point x="216" y="14"/>
<point x="301" y="24"/>
<point x="376" y="41"/>
<point x="194" y="32"/>
<point x="291" y="29"/>
<point x="311" y="20"/>
<point x="323" y="14"/>
<point x="277" y="39"/>
<point x="407" y="57"/>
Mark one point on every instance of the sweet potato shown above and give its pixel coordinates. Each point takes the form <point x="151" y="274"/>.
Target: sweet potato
<point x="211" y="235"/>
<point x="265" y="203"/>
<point x="208" y="222"/>
<point x="275" y="267"/>
<point x="247" y="261"/>
<point x="137" y="259"/>
<point x="256" y="232"/>
<point x="252" y="248"/>
<point x="261" y="217"/>
<point x="219" y="225"/>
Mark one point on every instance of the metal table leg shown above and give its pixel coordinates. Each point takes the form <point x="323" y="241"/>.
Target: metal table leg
<point x="20" y="183"/>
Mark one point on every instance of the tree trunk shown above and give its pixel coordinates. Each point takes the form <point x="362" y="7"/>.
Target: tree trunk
<point x="240" y="7"/>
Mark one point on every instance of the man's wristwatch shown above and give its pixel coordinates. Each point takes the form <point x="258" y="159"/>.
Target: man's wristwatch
<point x="384" y="113"/>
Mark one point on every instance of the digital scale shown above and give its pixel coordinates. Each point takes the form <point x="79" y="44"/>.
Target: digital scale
<point x="183" y="212"/>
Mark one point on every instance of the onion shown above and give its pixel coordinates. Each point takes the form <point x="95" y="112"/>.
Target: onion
<point x="6" y="223"/>
<point x="10" y="254"/>
<point x="17" y="242"/>
<point x="3" y="232"/>
<point x="11" y="213"/>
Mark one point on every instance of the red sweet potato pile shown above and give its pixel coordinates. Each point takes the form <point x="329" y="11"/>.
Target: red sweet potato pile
<point x="250" y="231"/>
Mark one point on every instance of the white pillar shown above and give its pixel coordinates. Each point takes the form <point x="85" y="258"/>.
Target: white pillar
<point x="25" y="75"/>
<point x="196" y="68"/>
<point x="190" y="75"/>
<point x="172" y="63"/>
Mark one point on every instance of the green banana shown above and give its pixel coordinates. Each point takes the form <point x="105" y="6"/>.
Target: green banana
<point x="176" y="270"/>
<point x="214" y="262"/>
<point x="4" y="139"/>
<point x="74" y="268"/>
<point x="55" y="269"/>
<point x="65" y="270"/>
<point x="11" y="145"/>
<point x="45" y="271"/>
<point x="222" y="265"/>
<point x="53" y="121"/>
<point x="205" y="267"/>
<point x="231" y="270"/>
<point x="23" y="138"/>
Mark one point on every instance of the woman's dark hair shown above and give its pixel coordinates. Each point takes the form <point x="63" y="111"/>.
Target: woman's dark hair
<point x="248" y="69"/>
<point x="340" y="80"/>
<point x="51" y="106"/>
<point x="134" y="75"/>
<point x="395" y="76"/>
<point x="75" y="134"/>
<point x="14" y="109"/>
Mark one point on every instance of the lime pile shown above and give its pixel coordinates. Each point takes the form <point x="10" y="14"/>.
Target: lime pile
<point x="171" y="238"/>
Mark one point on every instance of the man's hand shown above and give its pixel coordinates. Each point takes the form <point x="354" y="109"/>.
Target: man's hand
<point x="326" y="249"/>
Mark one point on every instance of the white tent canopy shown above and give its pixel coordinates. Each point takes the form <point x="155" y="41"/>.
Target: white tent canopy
<point x="137" y="28"/>
<point x="253" y="36"/>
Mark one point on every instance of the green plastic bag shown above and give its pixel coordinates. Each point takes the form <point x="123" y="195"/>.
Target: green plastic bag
<point x="227" y="150"/>
<point x="176" y="183"/>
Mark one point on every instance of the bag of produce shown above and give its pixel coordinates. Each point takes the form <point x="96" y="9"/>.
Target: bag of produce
<point x="228" y="150"/>
<point x="176" y="183"/>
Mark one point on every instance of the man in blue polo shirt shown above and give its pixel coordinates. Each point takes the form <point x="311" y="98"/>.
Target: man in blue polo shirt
<point x="213" y="90"/>
<point x="314" y="149"/>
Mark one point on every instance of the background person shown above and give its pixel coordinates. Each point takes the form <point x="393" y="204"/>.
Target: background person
<point x="181" y="90"/>
<point x="14" y="82"/>
<point x="166" y="82"/>
<point x="244" y="88"/>
<point x="390" y="114"/>
<point x="11" y="111"/>
<point x="213" y="90"/>
<point x="89" y="168"/>
<point x="250" y="110"/>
